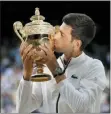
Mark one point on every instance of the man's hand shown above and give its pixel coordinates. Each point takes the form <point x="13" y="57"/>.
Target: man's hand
<point x="49" y="57"/>
<point x="51" y="61"/>
<point x="26" y="52"/>
<point x="47" y="53"/>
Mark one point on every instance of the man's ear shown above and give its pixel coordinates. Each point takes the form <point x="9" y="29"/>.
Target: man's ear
<point x="79" y="43"/>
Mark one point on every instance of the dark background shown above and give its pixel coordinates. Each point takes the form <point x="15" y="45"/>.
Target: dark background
<point x="13" y="11"/>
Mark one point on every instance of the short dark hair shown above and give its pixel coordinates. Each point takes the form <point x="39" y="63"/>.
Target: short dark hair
<point x="83" y="27"/>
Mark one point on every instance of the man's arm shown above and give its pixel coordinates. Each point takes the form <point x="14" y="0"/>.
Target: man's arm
<point x="29" y="96"/>
<point x="90" y="88"/>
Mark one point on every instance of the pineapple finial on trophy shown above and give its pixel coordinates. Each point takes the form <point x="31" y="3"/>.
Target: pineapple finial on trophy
<point x="37" y="15"/>
<point x="37" y="12"/>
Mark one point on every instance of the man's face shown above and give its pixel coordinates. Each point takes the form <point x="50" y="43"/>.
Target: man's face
<point x="62" y="39"/>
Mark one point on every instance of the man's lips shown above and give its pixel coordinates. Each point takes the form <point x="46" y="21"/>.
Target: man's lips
<point x="54" y="44"/>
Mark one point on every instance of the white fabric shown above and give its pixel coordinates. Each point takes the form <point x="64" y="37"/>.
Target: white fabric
<point x="76" y="95"/>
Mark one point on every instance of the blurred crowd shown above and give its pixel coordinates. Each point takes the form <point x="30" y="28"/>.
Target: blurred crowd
<point x="11" y="73"/>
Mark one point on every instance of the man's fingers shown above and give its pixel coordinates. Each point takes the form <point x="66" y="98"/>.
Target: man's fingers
<point x="23" y="44"/>
<point x="42" y="61"/>
<point x="40" y="55"/>
<point x="26" y="51"/>
<point x="28" y="60"/>
<point x="47" y="46"/>
<point x="34" y="54"/>
<point x="22" y="47"/>
<point x="28" y="57"/>
<point x="44" y="49"/>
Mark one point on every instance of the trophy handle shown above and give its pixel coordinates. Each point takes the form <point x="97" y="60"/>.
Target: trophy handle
<point x="17" y="26"/>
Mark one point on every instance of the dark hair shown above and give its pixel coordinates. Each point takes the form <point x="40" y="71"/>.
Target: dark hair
<point x="83" y="27"/>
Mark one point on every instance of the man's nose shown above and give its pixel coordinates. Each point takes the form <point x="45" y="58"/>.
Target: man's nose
<point x="56" y="36"/>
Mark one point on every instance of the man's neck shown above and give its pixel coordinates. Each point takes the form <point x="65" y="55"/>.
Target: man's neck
<point x="68" y="56"/>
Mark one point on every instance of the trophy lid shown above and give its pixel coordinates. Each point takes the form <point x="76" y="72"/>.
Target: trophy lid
<point x="37" y="26"/>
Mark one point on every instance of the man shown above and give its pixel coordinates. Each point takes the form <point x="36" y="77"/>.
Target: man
<point x="77" y="79"/>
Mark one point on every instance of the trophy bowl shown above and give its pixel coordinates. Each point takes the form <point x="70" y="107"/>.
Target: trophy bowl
<point x="36" y="33"/>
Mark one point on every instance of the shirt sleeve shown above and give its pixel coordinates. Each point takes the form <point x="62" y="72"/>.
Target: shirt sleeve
<point x="90" y="88"/>
<point x="29" y="96"/>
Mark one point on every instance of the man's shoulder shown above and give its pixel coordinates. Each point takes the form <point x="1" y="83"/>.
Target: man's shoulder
<point x="96" y="66"/>
<point x="96" y="71"/>
<point x="94" y="62"/>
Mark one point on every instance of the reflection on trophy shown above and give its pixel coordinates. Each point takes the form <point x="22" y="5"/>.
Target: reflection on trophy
<point x="36" y="33"/>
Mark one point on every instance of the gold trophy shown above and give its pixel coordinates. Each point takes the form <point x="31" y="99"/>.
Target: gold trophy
<point x="36" y="33"/>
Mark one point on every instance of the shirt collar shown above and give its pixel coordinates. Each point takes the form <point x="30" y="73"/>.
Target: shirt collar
<point x="76" y="60"/>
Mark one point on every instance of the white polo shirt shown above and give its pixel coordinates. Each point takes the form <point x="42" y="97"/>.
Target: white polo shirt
<point x="80" y="92"/>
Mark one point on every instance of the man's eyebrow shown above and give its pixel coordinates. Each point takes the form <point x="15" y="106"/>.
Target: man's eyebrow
<point x="61" y="32"/>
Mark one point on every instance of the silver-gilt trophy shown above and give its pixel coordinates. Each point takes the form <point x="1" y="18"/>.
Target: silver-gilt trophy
<point x="37" y="32"/>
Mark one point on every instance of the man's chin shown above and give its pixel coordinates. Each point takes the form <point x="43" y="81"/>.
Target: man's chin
<point x="58" y="51"/>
